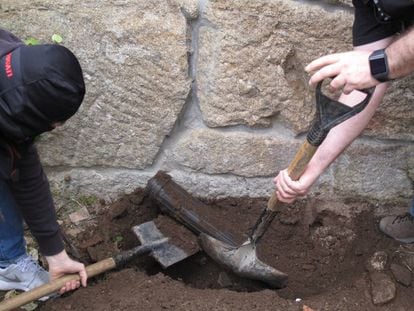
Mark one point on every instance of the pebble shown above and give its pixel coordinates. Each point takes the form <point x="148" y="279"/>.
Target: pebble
<point x="224" y="280"/>
<point x="378" y="261"/>
<point x="308" y="267"/>
<point x="383" y="289"/>
<point x="406" y="255"/>
<point x="79" y="215"/>
<point x="401" y="274"/>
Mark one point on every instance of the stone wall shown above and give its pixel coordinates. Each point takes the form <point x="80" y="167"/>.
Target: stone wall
<point x="212" y="91"/>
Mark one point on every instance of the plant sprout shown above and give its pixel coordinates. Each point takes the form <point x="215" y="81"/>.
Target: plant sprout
<point x="57" y="39"/>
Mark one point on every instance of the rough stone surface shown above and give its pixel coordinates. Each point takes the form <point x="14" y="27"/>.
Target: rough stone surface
<point x="374" y="170"/>
<point x="117" y="183"/>
<point x="401" y="274"/>
<point x="80" y="215"/>
<point x="236" y="153"/>
<point x="252" y="55"/>
<point x="366" y="169"/>
<point x="378" y="261"/>
<point x="213" y="91"/>
<point x="134" y="56"/>
<point x="105" y="184"/>
<point x="405" y="254"/>
<point x="394" y="119"/>
<point x="383" y="289"/>
<point x="251" y="60"/>
<point x="190" y="8"/>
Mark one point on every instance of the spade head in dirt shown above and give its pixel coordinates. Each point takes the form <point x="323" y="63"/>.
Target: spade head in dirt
<point x="181" y="244"/>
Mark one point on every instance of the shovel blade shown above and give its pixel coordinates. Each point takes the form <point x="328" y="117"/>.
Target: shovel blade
<point x="167" y="254"/>
<point x="242" y="261"/>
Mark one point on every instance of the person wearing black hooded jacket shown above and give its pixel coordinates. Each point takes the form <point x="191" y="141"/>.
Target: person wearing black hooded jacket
<point x="41" y="87"/>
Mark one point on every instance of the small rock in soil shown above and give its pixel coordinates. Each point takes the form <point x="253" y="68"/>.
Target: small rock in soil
<point x="401" y="274"/>
<point x="79" y="215"/>
<point x="308" y="267"/>
<point x="117" y="210"/>
<point x="73" y="232"/>
<point x="224" y="280"/>
<point x="378" y="261"/>
<point x="406" y="255"/>
<point x="383" y="289"/>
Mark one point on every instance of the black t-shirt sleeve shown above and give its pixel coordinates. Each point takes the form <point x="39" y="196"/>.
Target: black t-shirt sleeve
<point x="367" y="28"/>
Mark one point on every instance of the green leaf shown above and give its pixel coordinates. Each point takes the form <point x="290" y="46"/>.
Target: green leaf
<point x="118" y="238"/>
<point x="31" y="41"/>
<point x="57" y="38"/>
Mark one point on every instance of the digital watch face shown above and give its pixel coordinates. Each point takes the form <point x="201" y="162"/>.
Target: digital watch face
<point x="377" y="66"/>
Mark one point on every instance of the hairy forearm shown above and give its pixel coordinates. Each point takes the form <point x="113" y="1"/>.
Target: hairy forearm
<point x="400" y="55"/>
<point x="334" y="144"/>
<point x="343" y="134"/>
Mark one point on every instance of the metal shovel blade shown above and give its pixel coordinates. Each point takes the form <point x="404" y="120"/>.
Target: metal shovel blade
<point x="167" y="254"/>
<point x="242" y="261"/>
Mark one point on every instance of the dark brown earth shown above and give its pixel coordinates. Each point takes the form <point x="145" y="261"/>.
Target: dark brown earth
<point x="323" y="246"/>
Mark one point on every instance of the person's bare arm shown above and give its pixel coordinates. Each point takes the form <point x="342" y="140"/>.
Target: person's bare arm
<point x="400" y="55"/>
<point x="343" y="134"/>
<point x="334" y="144"/>
<point x="349" y="70"/>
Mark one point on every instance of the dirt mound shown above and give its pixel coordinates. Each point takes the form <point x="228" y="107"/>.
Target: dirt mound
<point x="328" y="249"/>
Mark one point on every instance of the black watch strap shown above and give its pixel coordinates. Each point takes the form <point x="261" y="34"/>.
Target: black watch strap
<point x="378" y="65"/>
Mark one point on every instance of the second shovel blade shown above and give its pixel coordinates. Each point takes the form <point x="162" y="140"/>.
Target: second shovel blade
<point x="167" y="254"/>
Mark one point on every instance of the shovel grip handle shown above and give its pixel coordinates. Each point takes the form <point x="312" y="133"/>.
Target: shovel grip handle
<point x="55" y="285"/>
<point x="295" y="169"/>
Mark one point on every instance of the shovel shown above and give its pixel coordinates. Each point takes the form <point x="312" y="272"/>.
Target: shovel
<point x="153" y="242"/>
<point x="177" y="203"/>
<point x="242" y="260"/>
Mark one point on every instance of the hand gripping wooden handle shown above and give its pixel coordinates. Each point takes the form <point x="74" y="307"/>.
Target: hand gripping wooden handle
<point x="295" y="169"/>
<point x="55" y="285"/>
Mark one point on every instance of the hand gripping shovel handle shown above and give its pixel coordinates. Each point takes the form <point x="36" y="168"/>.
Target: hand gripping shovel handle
<point x="295" y="169"/>
<point x="329" y="113"/>
<point x="92" y="270"/>
<point x="54" y="286"/>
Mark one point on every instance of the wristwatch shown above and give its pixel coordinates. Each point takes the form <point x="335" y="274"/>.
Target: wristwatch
<point x="379" y="65"/>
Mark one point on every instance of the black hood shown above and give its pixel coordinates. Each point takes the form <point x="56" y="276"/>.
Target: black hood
<point x="39" y="85"/>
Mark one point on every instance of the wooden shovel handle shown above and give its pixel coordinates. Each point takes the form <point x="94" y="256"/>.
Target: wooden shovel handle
<point x="295" y="169"/>
<point x="55" y="285"/>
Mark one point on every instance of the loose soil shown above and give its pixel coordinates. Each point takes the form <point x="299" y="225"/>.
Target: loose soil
<point x="323" y="246"/>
